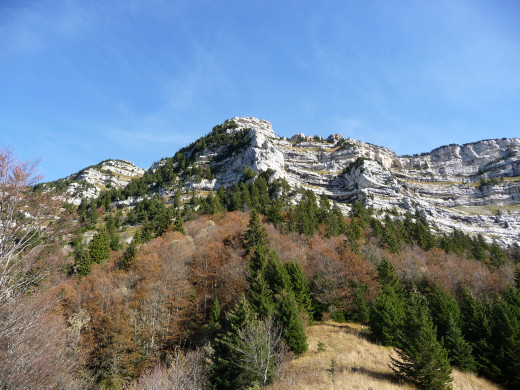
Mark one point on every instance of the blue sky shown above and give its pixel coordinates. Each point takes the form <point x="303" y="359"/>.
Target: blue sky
<point x="83" y="81"/>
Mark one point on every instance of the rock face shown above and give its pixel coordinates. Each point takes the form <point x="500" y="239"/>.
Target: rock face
<point x="473" y="187"/>
<point x="89" y="182"/>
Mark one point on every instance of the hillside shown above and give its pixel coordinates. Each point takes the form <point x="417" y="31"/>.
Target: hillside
<point x="474" y="188"/>
<point x="347" y="360"/>
<point x="205" y="270"/>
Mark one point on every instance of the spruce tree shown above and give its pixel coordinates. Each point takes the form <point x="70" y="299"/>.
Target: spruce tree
<point x="82" y="263"/>
<point x="275" y="274"/>
<point x="360" y="310"/>
<point x="289" y="319"/>
<point x="214" y="316"/>
<point x="386" y="315"/>
<point x="476" y="329"/>
<point x="274" y="211"/>
<point x="459" y="350"/>
<point x="255" y="236"/>
<point x="260" y="297"/>
<point x="99" y="247"/>
<point x="387" y="276"/>
<point x="445" y="311"/>
<point x="504" y="342"/>
<point x="226" y="373"/>
<point x="300" y="287"/>
<point x="128" y="256"/>
<point x="177" y="224"/>
<point x="421" y="358"/>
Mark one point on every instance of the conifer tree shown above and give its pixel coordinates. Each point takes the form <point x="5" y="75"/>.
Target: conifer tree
<point x="476" y="329"/>
<point x="214" y="317"/>
<point x="421" y="358"/>
<point x="504" y="342"/>
<point x="387" y="276"/>
<point x="274" y="212"/>
<point x="99" y="247"/>
<point x="360" y="309"/>
<point x="177" y="201"/>
<point x="445" y="311"/>
<point x="260" y="297"/>
<point x="459" y="350"/>
<point x="177" y="225"/>
<point x="226" y="373"/>
<point x="300" y="287"/>
<point x="288" y="318"/>
<point x="255" y="236"/>
<point x="391" y="236"/>
<point x="82" y="262"/>
<point x="263" y="194"/>
<point x="275" y="274"/>
<point x="386" y="315"/>
<point x="92" y="215"/>
<point x="128" y="256"/>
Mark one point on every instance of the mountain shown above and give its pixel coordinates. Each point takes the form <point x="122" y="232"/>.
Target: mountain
<point x="90" y="181"/>
<point x="473" y="187"/>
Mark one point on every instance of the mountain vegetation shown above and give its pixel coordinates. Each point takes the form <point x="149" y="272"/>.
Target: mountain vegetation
<point x="224" y="289"/>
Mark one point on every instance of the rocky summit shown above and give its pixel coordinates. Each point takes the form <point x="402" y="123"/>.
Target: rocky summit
<point x="474" y="187"/>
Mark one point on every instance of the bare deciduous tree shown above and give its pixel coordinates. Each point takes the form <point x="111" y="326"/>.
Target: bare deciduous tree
<point x="259" y="350"/>
<point x="36" y="348"/>
<point x="26" y="218"/>
<point x="188" y="371"/>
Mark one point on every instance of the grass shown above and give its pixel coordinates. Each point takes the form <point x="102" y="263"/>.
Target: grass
<point x="347" y="360"/>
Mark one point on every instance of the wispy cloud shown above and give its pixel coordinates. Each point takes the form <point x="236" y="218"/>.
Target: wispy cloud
<point x="31" y="27"/>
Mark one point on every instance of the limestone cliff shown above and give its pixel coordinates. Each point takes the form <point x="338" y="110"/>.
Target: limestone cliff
<point x="90" y="181"/>
<point x="473" y="187"/>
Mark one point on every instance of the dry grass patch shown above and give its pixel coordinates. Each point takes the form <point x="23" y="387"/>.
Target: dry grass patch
<point x="347" y="360"/>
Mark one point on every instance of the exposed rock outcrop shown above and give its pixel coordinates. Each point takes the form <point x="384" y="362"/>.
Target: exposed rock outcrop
<point x="473" y="187"/>
<point x="89" y="182"/>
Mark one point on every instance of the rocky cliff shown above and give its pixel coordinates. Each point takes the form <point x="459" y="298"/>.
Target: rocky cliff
<point x="473" y="187"/>
<point x="90" y="181"/>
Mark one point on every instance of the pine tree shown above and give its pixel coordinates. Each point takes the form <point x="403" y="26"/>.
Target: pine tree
<point x="260" y="297"/>
<point x="360" y="309"/>
<point x="422" y="360"/>
<point x="128" y="256"/>
<point x="445" y="311"/>
<point x="387" y="276"/>
<point x="459" y="350"/>
<point x="177" y="224"/>
<point x="275" y="274"/>
<point x="82" y="262"/>
<point x="386" y="315"/>
<point x="289" y="320"/>
<point x="300" y="287"/>
<point x="99" y="247"/>
<point x="255" y="236"/>
<point x="92" y="215"/>
<point x="177" y="201"/>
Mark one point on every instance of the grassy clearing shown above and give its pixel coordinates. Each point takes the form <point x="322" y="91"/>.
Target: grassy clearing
<point x="350" y="361"/>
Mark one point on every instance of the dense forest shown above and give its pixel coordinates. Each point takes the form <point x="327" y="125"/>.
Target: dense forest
<point x="217" y="291"/>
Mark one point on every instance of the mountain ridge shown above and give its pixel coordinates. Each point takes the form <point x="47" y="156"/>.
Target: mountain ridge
<point x="474" y="187"/>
